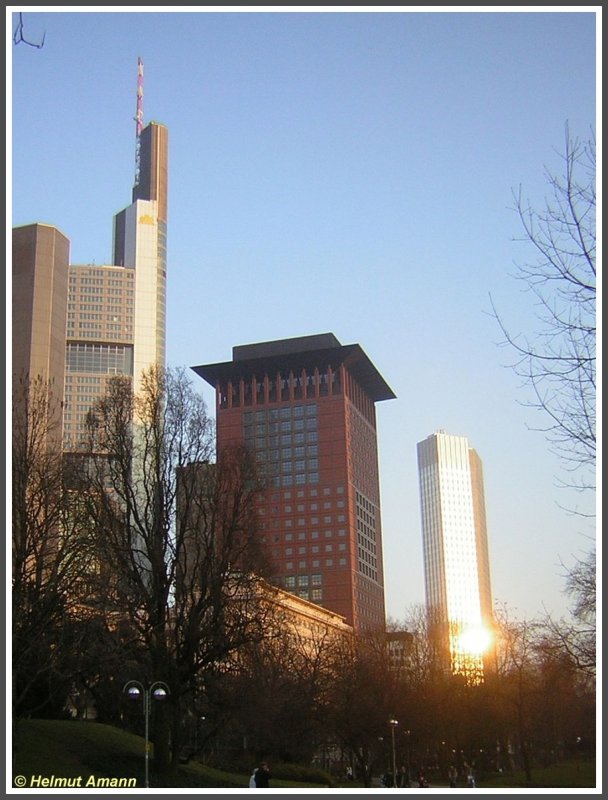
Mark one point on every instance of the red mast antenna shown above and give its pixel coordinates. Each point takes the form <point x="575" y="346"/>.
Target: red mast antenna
<point x="139" y="115"/>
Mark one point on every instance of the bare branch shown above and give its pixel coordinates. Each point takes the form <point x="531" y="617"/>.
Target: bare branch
<point x="18" y="36"/>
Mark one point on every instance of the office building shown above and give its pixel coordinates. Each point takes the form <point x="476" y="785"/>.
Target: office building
<point x="40" y="256"/>
<point x="116" y="320"/>
<point x="80" y="324"/>
<point x="455" y="544"/>
<point x="306" y="408"/>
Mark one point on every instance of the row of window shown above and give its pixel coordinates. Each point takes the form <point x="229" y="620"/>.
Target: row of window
<point x="315" y="548"/>
<point x="287" y="509"/>
<point x="315" y="563"/>
<point x="284" y="413"/>
<point x="101" y="273"/>
<point x="314" y="492"/>
<point x="302" y="535"/>
<point x="293" y="480"/>
<point x="96" y="290"/>
<point x="291" y="581"/>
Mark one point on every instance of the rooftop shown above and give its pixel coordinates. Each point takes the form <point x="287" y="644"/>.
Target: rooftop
<point x="301" y="352"/>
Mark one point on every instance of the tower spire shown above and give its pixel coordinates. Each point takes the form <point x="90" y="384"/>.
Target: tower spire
<point x="139" y="114"/>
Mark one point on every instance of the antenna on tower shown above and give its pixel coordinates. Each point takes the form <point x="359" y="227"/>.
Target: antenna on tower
<point x="139" y="115"/>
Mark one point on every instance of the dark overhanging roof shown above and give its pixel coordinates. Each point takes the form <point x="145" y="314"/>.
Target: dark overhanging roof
<point x="305" y="352"/>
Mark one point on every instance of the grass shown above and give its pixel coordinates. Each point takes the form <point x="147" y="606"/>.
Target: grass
<point x="69" y="749"/>
<point x="569" y="774"/>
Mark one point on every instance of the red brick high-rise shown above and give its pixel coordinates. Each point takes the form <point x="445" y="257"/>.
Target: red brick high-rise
<point x="306" y="407"/>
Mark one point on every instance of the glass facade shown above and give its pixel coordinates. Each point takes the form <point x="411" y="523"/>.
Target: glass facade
<point x="456" y="567"/>
<point x="101" y="358"/>
<point x="284" y="441"/>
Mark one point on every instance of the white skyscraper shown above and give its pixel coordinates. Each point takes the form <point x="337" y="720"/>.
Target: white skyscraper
<point x="455" y="546"/>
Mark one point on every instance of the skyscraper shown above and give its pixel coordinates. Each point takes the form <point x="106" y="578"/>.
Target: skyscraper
<point x="40" y="257"/>
<point x="306" y="408"/>
<point x="455" y="544"/>
<point x="117" y="313"/>
<point x="80" y="324"/>
<point x="39" y="302"/>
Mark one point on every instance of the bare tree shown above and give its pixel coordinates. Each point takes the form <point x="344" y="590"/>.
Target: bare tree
<point x="49" y="551"/>
<point x="18" y="36"/>
<point x="577" y="637"/>
<point x="364" y="699"/>
<point x="288" y="680"/>
<point x="176" y="534"/>
<point x="558" y="361"/>
<point x="546" y="698"/>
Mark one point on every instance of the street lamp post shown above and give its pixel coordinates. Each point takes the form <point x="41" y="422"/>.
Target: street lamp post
<point x="409" y="757"/>
<point x="156" y="691"/>
<point x="393" y="723"/>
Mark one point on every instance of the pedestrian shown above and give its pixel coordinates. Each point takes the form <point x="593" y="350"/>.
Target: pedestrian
<point x="471" y="778"/>
<point x="422" y="781"/>
<point x="452" y="775"/>
<point x="262" y="776"/>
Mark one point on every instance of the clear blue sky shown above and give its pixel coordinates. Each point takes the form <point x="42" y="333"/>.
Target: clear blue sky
<point x="346" y="171"/>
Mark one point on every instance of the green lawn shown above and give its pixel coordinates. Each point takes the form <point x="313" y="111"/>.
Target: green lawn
<point x="71" y="750"/>
<point x="570" y="774"/>
<point x="89" y="750"/>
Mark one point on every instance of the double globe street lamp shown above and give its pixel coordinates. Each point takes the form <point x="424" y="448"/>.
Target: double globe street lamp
<point x="158" y="691"/>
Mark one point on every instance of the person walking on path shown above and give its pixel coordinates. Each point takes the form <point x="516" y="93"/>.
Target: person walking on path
<point x="262" y="776"/>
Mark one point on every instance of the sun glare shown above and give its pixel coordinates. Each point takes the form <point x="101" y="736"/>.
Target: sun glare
<point x="474" y="641"/>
